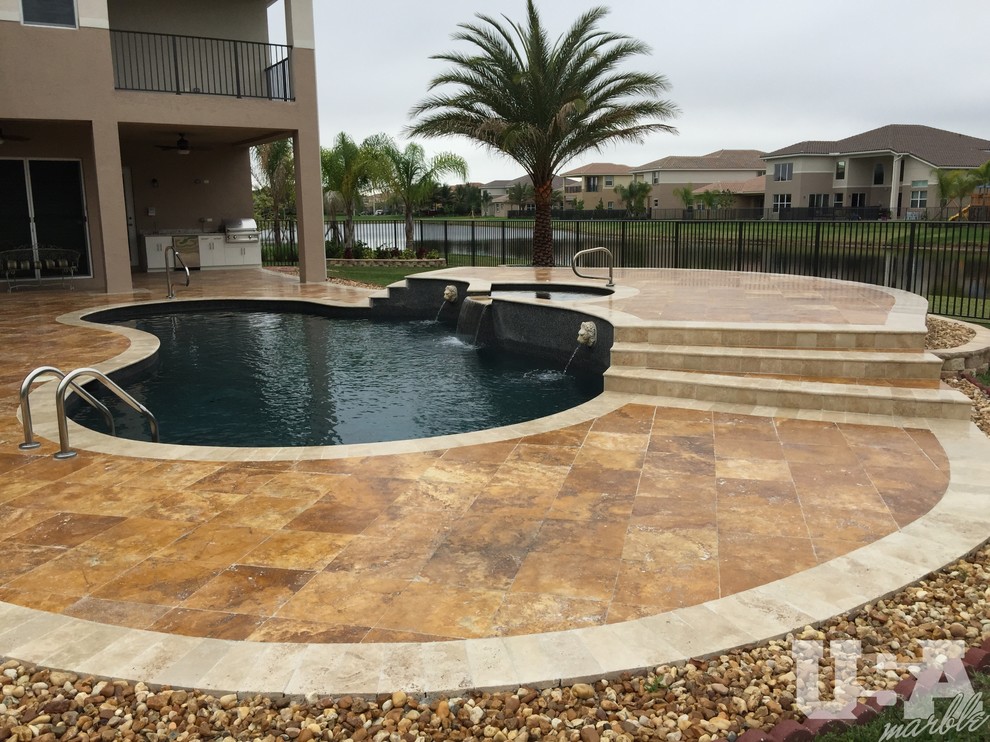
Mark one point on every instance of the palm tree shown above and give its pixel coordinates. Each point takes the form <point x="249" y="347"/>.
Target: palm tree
<point x="275" y="172"/>
<point x="348" y="169"/>
<point x="520" y="194"/>
<point x="686" y="195"/>
<point x="955" y="184"/>
<point x="634" y="196"/>
<point x="409" y="176"/>
<point x="543" y="105"/>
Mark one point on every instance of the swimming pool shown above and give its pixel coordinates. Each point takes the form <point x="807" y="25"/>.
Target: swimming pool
<point x="277" y="378"/>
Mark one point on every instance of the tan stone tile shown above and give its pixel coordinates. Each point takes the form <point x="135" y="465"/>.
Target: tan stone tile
<point x="65" y="529"/>
<point x="158" y="582"/>
<point x="685" y="511"/>
<point x="441" y="610"/>
<point x="748" y="561"/>
<point x="667" y="546"/>
<point x="525" y="613"/>
<point x="116" y="612"/>
<point x="567" y="575"/>
<point x="343" y="599"/>
<point x="40" y="600"/>
<point x="774" y="471"/>
<point x="216" y="545"/>
<point x="654" y="589"/>
<point x="306" y="550"/>
<point x="311" y="632"/>
<point x="244" y="588"/>
<point x="209" y="624"/>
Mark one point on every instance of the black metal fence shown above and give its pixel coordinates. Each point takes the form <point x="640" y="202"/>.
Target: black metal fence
<point x="949" y="263"/>
<point x="166" y="63"/>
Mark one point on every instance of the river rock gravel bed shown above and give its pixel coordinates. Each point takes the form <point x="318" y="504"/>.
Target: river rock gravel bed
<point x="705" y="699"/>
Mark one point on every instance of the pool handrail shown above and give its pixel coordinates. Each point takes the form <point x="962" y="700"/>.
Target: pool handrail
<point x="168" y="274"/>
<point x="64" y="451"/>
<point x="26" y="420"/>
<point x="588" y="251"/>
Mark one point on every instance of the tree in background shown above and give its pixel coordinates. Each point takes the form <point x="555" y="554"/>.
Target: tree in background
<point x="348" y="170"/>
<point x="634" y="196"/>
<point x="520" y="194"/>
<point x="686" y="195"/>
<point x="952" y="185"/>
<point x="274" y="172"/>
<point x="468" y="199"/>
<point x="543" y="104"/>
<point x="409" y="175"/>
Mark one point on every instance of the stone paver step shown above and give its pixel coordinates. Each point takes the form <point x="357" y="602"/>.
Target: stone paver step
<point x="807" y="363"/>
<point x="809" y="337"/>
<point x="789" y="394"/>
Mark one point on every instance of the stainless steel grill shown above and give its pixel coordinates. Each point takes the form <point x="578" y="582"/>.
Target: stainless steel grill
<point x="240" y="230"/>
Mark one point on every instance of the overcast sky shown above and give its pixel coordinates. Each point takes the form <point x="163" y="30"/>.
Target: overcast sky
<point x="745" y="75"/>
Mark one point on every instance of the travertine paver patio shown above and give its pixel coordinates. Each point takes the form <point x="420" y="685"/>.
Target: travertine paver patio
<point x="593" y="525"/>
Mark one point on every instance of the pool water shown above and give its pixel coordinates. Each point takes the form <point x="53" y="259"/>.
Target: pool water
<point x="246" y="378"/>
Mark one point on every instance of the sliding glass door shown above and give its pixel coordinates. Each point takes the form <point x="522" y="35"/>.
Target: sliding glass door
<point x="42" y="204"/>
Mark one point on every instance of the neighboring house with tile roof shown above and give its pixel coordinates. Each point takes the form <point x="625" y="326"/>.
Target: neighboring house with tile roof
<point x="725" y="166"/>
<point x="598" y="181"/>
<point x="746" y="194"/>
<point x="886" y="168"/>
<point x="499" y="205"/>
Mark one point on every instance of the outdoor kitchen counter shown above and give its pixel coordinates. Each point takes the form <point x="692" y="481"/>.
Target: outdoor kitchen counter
<point x="200" y="250"/>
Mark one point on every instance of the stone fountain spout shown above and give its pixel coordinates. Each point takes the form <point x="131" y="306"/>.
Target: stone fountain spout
<point x="588" y="334"/>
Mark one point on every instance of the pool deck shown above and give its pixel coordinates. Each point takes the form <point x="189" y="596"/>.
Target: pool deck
<point x="634" y="530"/>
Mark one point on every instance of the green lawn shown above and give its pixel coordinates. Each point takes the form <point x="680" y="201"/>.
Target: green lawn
<point x="963" y="307"/>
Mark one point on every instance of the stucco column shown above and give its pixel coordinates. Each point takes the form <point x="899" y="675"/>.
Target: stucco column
<point x="895" y="184"/>
<point x="113" y="258"/>
<point x="309" y="207"/>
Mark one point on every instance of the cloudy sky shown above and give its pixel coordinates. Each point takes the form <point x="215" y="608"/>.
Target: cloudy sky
<point x="757" y="75"/>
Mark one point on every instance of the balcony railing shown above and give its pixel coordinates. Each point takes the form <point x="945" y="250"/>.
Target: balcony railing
<point x="165" y="63"/>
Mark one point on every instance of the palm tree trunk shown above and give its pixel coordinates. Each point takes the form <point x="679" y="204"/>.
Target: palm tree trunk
<point x="409" y="227"/>
<point x="542" y="227"/>
<point x="349" y="232"/>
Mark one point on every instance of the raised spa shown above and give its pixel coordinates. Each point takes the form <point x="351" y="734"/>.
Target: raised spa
<point x="276" y="378"/>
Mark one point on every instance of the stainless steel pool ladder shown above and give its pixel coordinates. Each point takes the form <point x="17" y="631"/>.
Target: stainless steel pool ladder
<point x="168" y="271"/>
<point x="67" y="380"/>
<point x="589" y="251"/>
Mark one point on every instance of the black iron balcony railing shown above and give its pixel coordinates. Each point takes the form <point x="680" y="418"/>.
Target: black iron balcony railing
<point x="166" y="63"/>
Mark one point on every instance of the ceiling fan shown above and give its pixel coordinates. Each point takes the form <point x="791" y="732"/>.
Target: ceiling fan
<point x="12" y="137"/>
<point x="181" y="145"/>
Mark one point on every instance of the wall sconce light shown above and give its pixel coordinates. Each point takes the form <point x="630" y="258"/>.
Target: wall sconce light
<point x="154" y="182"/>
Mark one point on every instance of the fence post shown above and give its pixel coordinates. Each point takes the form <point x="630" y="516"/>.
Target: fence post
<point x="739" y="246"/>
<point x="446" y="251"/>
<point x="912" y="232"/>
<point x="677" y="245"/>
<point x="818" y="249"/>
<point x="504" y="261"/>
<point x="474" y="261"/>
<point x="622" y="243"/>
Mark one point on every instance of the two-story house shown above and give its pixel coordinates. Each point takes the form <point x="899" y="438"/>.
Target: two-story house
<point x="499" y="203"/>
<point x="598" y="181"/>
<point x="889" y="169"/>
<point x="731" y="169"/>
<point x="123" y="118"/>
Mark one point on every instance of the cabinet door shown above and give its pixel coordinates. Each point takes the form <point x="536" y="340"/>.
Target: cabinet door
<point x="211" y="252"/>
<point x="252" y="254"/>
<point x="154" y="248"/>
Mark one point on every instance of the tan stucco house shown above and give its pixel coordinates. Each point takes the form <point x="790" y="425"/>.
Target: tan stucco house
<point x="598" y="181"/>
<point x="727" y="167"/>
<point x="125" y="118"/>
<point x="889" y="168"/>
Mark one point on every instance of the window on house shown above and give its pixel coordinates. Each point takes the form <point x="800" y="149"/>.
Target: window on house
<point x="858" y="201"/>
<point x="591" y="184"/>
<point x="656" y="202"/>
<point x="611" y="204"/>
<point x="783" y="171"/>
<point x="818" y="200"/>
<point x="49" y="12"/>
<point x="608" y="181"/>
<point x="781" y="201"/>
<point x="840" y="170"/>
<point x="656" y="178"/>
<point x="919" y="199"/>
<point x="878" y="174"/>
<point x="837" y="200"/>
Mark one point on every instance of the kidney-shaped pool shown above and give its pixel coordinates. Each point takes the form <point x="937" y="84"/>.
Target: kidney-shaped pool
<point x="276" y="378"/>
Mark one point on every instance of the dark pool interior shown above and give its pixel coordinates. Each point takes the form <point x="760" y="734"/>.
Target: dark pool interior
<point x="281" y="378"/>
